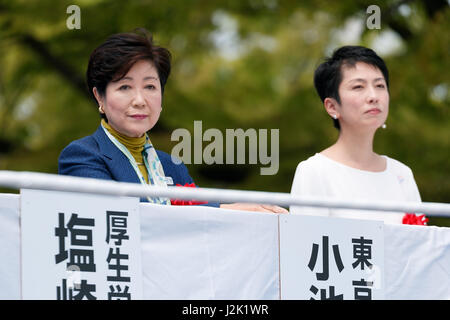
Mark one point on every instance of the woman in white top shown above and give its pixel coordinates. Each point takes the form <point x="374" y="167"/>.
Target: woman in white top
<point x="354" y="87"/>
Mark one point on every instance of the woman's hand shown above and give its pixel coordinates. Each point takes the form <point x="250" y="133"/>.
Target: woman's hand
<point x="254" y="207"/>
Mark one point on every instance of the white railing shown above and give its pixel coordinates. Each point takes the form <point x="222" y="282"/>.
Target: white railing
<point x="44" y="181"/>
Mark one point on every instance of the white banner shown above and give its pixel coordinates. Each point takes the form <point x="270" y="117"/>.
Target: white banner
<point x="324" y="258"/>
<point x="77" y="246"/>
<point x="208" y="253"/>
<point x="9" y="247"/>
<point x="195" y="252"/>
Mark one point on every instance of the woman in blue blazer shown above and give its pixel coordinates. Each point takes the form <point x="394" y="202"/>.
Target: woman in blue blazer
<point x="95" y="156"/>
<point x="126" y="76"/>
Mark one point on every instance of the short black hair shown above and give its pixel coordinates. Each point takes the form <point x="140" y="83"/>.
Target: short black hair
<point x="111" y="60"/>
<point x="328" y="75"/>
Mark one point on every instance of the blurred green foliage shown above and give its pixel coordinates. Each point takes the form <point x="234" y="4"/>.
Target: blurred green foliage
<point x="236" y="64"/>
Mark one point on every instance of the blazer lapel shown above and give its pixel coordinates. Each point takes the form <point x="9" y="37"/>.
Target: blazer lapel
<point x="118" y="164"/>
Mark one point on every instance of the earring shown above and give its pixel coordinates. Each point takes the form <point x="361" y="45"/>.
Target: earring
<point x="100" y="109"/>
<point x="383" y="126"/>
<point x="334" y="116"/>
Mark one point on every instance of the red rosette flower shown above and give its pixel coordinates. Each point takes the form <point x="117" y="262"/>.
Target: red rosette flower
<point x="412" y="218"/>
<point x="177" y="202"/>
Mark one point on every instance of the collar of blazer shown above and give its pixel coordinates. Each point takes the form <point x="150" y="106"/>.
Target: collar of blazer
<point x="106" y="147"/>
<point x="118" y="163"/>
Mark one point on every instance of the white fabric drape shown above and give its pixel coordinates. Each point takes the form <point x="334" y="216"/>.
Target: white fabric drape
<point x="191" y="252"/>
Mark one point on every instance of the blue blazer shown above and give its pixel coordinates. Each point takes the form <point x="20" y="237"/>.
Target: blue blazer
<point x="95" y="156"/>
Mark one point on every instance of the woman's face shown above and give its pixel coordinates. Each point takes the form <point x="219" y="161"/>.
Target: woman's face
<point x="132" y="105"/>
<point x="364" y="97"/>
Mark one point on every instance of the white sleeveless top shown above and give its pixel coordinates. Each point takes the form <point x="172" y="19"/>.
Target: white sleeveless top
<point x="323" y="177"/>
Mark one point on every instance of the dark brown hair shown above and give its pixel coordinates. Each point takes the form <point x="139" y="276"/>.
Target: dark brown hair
<point x="114" y="58"/>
